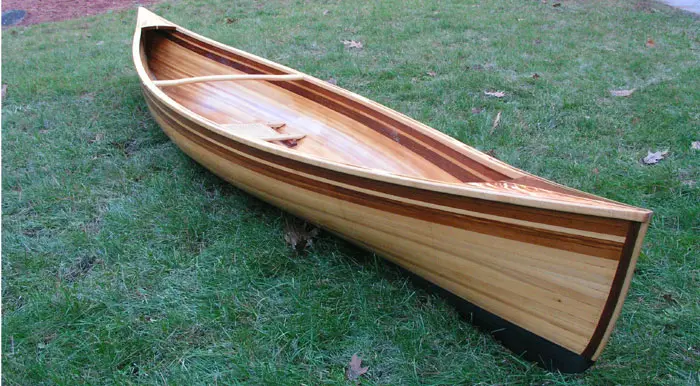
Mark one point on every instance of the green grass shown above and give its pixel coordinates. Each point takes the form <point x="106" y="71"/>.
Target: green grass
<point x="125" y="262"/>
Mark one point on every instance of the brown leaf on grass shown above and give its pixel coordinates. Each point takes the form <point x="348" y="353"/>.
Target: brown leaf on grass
<point x="431" y="73"/>
<point x="535" y="76"/>
<point x="299" y="234"/>
<point x="622" y="93"/>
<point x="695" y="145"/>
<point x="495" y="122"/>
<point x="669" y="299"/>
<point x="654" y="157"/>
<point x="332" y="81"/>
<point x="231" y="20"/>
<point x="4" y="91"/>
<point x="355" y="369"/>
<point x="353" y="44"/>
<point x="556" y="5"/>
<point x="497" y="94"/>
<point x="650" y="43"/>
<point x="325" y="12"/>
<point x="491" y="153"/>
<point x="477" y="110"/>
<point x="595" y="171"/>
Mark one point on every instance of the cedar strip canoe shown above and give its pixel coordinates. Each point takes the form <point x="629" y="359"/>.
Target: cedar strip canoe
<point x="543" y="267"/>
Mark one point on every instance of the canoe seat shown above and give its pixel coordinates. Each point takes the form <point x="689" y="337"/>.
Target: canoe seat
<point x="260" y="131"/>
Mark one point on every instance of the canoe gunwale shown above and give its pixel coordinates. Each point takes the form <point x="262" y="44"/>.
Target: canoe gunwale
<point x="621" y="211"/>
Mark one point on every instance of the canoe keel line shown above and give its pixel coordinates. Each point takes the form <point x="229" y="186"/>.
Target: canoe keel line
<point x="542" y="267"/>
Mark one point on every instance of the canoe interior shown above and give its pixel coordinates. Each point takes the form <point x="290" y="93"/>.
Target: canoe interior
<point x="334" y="131"/>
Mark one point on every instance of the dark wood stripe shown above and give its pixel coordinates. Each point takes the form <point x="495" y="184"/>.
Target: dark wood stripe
<point x="575" y="243"/>
<point x="384" y="125"/>
<point x="615" y="291"/>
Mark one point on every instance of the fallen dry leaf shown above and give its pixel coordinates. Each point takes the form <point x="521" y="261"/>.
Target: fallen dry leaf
<point x="4" y="91"/>
<point x="622" y="93"/>
<point x="695" y="145"/>
<point x="353" y="44"/>
<point x="477" y="110"/>
<point x="556" y="5"/>
<point x="655" y="157"/>
<point x="230" y="20"/>
<point x="496" y="122"/>
<point x="650" y="43"/>
<point x="431" y="73"/>
<point x="299" y="234"/>
<point x="325" y="12"/>
<point x="332" y="81"/>
<point x="595" y="171"/>
<point x="497" y="94"/>
<point x="355" y="369"/>
<point x="535" y="76"/>
<point x="669" y="298"/>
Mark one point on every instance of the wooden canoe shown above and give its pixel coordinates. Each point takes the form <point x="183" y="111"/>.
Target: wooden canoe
<point x="545" y="266"/>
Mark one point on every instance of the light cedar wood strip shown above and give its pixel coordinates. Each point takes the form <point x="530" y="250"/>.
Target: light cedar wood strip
<point x="576" y="243"/>
<point x="511" y="299"/>
<point x="226" y="78"/>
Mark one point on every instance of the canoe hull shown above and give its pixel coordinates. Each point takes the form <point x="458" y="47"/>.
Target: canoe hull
<point x="551" y="283"/>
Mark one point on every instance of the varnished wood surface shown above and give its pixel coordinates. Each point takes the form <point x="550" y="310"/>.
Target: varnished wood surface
<point x="225" y="78"/>
<point x="554" y="261"/>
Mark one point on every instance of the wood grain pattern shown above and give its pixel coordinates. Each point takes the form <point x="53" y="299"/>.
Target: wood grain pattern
<point x="552" y="260"/>
<point x="224" y="78"/>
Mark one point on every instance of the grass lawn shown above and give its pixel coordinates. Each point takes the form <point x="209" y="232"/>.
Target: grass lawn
<point x="123" y="261"/>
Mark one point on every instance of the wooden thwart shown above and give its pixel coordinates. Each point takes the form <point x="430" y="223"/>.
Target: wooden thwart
<point x="260" y="131"/>
<point x="222" y="78"/>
